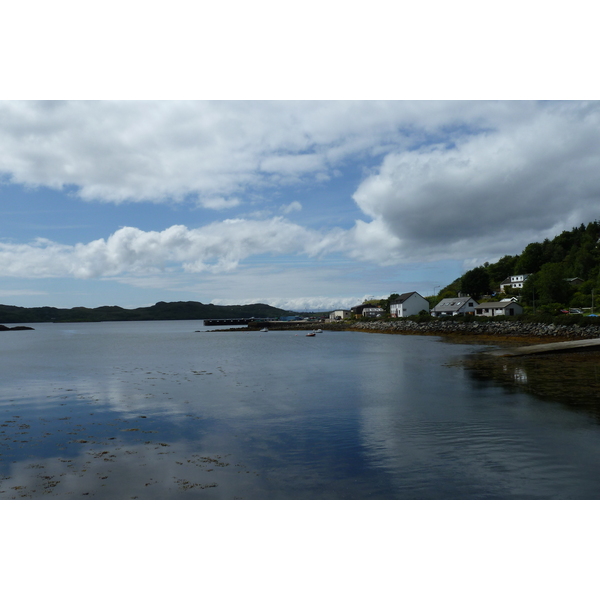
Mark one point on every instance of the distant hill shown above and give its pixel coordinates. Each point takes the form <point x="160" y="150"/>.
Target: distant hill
<point x="161" y="311"/>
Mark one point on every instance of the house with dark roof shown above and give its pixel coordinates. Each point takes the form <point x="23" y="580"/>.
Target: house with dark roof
<point x="372" y="312"/>
<point x="454" y="306"/>
<point x="411" y="303"/>
<point x="574" y="281"/>
<point x="357" y="311"/>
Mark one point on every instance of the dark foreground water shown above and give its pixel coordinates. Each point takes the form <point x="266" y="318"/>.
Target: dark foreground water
<point x="158" y="410"/>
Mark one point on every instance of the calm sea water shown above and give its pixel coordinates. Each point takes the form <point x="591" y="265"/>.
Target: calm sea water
<point x="169" y="410"/>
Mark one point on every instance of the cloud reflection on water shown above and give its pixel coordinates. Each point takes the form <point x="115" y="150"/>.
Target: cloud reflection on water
<point x="342" y="415"/>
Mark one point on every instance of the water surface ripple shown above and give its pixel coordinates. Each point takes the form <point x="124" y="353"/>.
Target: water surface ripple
<point x="168" y="410"/>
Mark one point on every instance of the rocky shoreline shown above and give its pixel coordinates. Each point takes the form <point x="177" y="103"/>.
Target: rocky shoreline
<point x="510" y="329"/>
<point x="496" y="330"/>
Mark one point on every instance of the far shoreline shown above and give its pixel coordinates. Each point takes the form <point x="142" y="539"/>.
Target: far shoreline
<point x="474" y="332"/>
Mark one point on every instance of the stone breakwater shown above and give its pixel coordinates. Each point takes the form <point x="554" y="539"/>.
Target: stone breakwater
<point x="495" y="329"/>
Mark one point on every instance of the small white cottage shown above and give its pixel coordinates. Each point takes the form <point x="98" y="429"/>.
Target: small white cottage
<point x="339" y="315"/>
<point x="411" y="303"/>
<point x="495" y="309"/>
<point x="514" y="281"/>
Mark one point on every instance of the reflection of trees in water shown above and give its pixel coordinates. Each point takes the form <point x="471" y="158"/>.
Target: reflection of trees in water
<point x="572" y="379"/>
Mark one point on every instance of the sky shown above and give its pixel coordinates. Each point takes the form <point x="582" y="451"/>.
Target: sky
<point x="305" y="155"/>
<point x="303" y="205"/>
<point x="233" y="165"/>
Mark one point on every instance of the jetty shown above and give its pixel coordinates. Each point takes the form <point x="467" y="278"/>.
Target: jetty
<point x="228" y="321"/>
<point x="571" y="346"/>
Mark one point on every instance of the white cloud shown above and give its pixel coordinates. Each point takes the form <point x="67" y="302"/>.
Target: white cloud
<point x="218" y="247"/>
<point x="300" y="304"/>
<point x="165" y="151"/>
<point x="291" y="207"/>
<point x="219" y="203"/>
<point x="456" y="180"/>
<point x="491" y="193"/>
<point x="286" y="279"/>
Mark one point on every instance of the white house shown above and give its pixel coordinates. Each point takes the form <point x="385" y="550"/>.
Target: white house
<point x="339" y="315"/>
<point x="411" y="303"/>
<point x="454" y="306"/>
<point x="495" y="309"/>
<point x="514" y="281"/>
<point x="371" y="312"/>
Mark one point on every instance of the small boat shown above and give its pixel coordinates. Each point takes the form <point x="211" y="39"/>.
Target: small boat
<point x="264" y="330"/>
<point x="318" y="331"/>
<point x="310" y="334"/>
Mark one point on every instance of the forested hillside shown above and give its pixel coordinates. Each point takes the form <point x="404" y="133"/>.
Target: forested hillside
<point x="572" y="254"/>
<point x="162" y="311"/>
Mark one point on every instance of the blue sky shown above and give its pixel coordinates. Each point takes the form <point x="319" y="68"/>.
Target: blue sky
<point x="279" y="185"/>
<point x="304" y="205"/>
<point x="395" y="196"/>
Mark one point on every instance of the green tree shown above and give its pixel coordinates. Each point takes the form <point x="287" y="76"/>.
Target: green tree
<point x="551" y="287"/>
<point x="385" y="304"/>
<point x="500" y="270"/>
<point x="475" y="282"/>
<point x="531" y="260"/>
